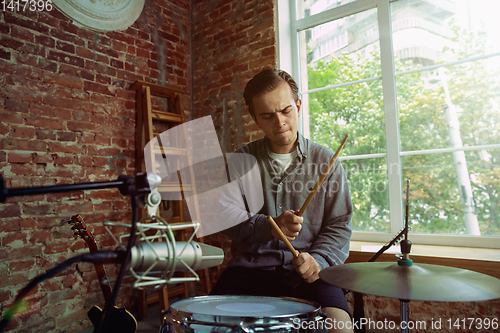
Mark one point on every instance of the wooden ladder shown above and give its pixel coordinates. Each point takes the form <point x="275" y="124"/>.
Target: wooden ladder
<point x="145" y="133"/>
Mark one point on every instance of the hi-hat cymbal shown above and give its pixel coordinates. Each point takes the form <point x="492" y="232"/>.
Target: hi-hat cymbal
<point x="417" y="282"/>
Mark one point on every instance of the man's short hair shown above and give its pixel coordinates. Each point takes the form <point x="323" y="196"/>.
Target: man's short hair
<point x="266" y="81"/>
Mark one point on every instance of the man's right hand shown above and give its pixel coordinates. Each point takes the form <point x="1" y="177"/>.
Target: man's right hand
<point x="289" y="223"/>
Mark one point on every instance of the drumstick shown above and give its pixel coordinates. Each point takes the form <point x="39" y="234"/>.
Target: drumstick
<point x="283" y="237"/>
<point x="322" y="177"/>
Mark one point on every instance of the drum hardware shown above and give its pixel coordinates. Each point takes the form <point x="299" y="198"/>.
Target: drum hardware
<point x="407" y="281"/>
<point x="243" y="314"/>
<point x="143" y="257"/>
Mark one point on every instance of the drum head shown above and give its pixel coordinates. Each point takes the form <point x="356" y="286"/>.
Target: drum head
<point x="245" y="306"/>
<point x="241" y="314"/>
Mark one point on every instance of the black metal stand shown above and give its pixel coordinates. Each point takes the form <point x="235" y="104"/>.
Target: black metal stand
<point x="127" y="185"/>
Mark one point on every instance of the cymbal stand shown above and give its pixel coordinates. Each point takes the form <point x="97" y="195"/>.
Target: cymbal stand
<point x="404" y="260"/>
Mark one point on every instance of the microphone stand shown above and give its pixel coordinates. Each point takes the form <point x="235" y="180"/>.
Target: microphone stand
<point x="127" y="185"/>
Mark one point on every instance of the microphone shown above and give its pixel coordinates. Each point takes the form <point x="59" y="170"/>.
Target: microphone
<point x="178" y="257"/>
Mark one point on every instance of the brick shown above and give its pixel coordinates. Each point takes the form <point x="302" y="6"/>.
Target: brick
<point x="45" y="41"/>
<point x="43" y="134"/>
<point x="56" y="147"/>
<point x="14" y="279"/>
<point x="43" y="122"/>
<point x="22" y="145"/>
<point x="83" y="52"/>
<point x="42" y="158"/>
<point x="103" y="49"/>
<point x="5" y="54"/>
<point x="21" y="22"/>
<point x="65" y="58"/>
<point x="66" y="47"/>
<point x="85" y="161"/>
<point x="59" y="34"/>
<point x="66" y="136"/>
<point x="22" y="33"/>
<point x="10" y="210"/>
<point x="121" y="37"/>
<point x="22" y="132"/>
<point x="102" y="79"/>
<point x="37" y="209"/>
<point x="100" y="58"/>
<point x="62" y="160"/>
<point x="20" y="157"/>
<point x="21" y="265"/>
<point x="116" y="63"/>
<point x="14" y="240"/>
<point x="68" y="26"/>
<point x="62" y="103"/>
<point x="143" y="53"/>
<point x="26" y="59"/>
<point x="77" y="126"/>
<point x="16" y="105"/>
<point x="4" y="28"/>
<point x="56" y="248"/>
<point x="47" y="65"/>
<point x="70" y="208"/>
<point x="87" y="75"/>
<point x="103" y="151"/>
<point x="119" y="46"/>
<point x="69" y="70"/>
<point x="99" y="68"/>
<point x="63" y="80"/>
<point x="47" y="18"/>
<point x="98" y="88"/>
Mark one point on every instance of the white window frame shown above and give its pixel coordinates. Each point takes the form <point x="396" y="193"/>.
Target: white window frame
<point x="287" y="36"/>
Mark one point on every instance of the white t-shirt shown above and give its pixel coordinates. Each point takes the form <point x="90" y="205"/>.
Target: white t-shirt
<point x="284" y="160"/>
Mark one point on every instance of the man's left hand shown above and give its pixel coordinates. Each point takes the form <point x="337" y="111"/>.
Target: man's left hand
<point x="307" y="267"/>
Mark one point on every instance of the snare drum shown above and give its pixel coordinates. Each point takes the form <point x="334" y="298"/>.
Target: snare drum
<point x="243" y="314"/>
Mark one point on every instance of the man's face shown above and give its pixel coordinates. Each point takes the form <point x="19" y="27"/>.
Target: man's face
<point x="276" y="114"/>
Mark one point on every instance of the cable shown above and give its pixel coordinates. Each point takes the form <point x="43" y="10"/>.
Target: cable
<point x="123" y="268"/>
<point x="95" y="257"/>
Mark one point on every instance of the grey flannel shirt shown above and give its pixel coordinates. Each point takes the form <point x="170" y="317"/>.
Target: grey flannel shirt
<point x="326" y="229"/>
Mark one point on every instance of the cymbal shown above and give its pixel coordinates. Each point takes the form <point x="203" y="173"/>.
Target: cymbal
<point x="423" y="282"/>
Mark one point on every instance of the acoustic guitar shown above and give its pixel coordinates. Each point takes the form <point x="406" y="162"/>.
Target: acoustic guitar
<point x="120" y="320"/>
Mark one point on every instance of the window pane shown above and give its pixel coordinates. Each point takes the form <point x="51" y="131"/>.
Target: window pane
<point x="369" y="192"/>
<point x="426" y="32"/>
<point x="449" y="197"/>
<point x="340" y="51"/>
<point x="307" y="8"/>
<point x="451" y="107"/>
<point x="356" y="110"/>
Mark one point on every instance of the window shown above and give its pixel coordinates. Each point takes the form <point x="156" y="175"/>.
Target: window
<point x="416" y="85"/>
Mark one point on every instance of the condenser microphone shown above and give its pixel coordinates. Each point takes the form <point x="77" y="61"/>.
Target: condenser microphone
<point x="179" y="257"/>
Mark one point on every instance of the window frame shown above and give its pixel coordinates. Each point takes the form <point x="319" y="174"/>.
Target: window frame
<point x="287" y="36"/>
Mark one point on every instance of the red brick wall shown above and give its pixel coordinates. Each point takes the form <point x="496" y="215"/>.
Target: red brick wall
<point x="232" y="41"/>
<point x="68" y="116"/>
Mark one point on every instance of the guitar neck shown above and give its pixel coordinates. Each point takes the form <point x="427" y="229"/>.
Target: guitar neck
<point x="106" y="289"/>
<point x="88" y="237"/>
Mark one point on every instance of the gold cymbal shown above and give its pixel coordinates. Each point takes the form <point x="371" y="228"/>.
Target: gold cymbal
<point x="416" y="282"/>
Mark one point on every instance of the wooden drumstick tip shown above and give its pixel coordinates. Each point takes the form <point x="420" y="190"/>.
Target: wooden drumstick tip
<point x="322" y="177"/>
<point x="283" y="237"/>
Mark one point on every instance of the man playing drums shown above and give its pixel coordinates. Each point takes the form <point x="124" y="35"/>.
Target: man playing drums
<point x="289" y="166"/>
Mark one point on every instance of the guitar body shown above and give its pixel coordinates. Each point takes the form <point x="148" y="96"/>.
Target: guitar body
<point x="119" y="320"/>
